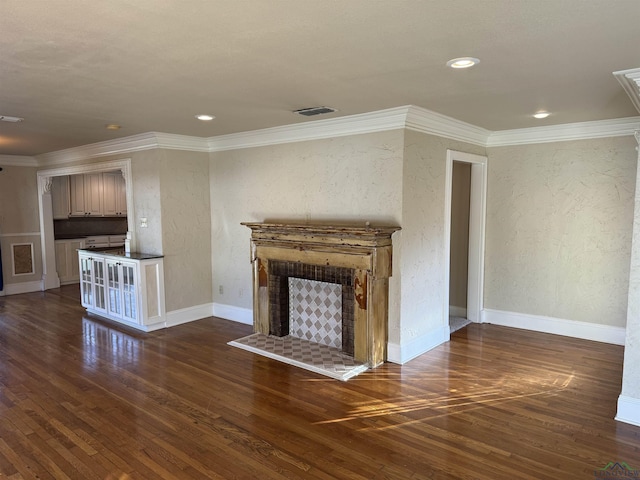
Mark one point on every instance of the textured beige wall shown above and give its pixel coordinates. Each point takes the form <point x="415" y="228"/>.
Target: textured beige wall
<point x="186" y="228"/>
<point x="459" y="251"/>
<point x="559" y="229"/>
<point x="356" y="178"/>
<point x="19" y="200"/>
<point x="423" y="260"/>
<point x="19" y="215"/>
<point x="171" y="190"/>
<point x="145" y="174"/>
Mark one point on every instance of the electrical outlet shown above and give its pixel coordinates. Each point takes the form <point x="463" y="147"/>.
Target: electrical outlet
<point x="220" y="289"/>
<point x="143" y="222"/>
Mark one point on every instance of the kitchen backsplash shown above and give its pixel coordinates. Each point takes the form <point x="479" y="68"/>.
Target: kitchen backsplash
<point x="90" y="226"/>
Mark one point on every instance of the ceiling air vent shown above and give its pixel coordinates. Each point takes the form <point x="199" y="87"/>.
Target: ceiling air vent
<point x="310" y="112"/>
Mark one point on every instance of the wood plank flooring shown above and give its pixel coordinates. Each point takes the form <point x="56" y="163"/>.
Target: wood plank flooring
<point x="81" y="398"/>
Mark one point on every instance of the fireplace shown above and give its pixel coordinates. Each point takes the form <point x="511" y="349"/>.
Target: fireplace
<point x="356" y="259"/>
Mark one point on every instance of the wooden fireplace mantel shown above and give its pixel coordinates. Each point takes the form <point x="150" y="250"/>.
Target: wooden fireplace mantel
<point x="367" y="250"/>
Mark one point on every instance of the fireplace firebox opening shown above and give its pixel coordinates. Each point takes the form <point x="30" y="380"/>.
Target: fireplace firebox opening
<point x="279" y="295"/>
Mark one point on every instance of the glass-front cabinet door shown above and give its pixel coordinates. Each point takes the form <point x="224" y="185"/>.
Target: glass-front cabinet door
<point x="121" y="290"/>
<point x="86" y="280"/>
<point x="99" y="284"/>
<point x="129" y="296"/>
<point x="114" y="293"/>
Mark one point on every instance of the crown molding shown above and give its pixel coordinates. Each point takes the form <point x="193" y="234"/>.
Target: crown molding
<point x="133" y="143"/>
<point x="426" y="121"/>
<point x="618" y="127"/>
<point x="172" y="141"/>
<point x="630" y="81"/>
<point x="18" y="161"/>
<point x="406" y="117"/>
<point x="378" y="121"/>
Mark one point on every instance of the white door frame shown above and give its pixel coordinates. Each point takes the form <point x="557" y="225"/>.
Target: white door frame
<point x="477" y="223"/>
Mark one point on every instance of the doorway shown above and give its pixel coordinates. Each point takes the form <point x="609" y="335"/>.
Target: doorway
<point x="459" y="245"/>
<point x="466" y="178"/>
<point x="45" y="206"/>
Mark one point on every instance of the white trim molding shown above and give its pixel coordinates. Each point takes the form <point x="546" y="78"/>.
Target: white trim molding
<point x="628" y="410"/>
<point x="556" y="326"/>
<point x="408" y="117"/>
<point x="18" y="161"/>
<point x="26" y="234"/>
<point x="426" y="121"/>
<point x="233" y="313"/>
<point x="403" y="352"/>
<point x="189" y="314"/>
<point x="619" y="127"/>
<point x="630" y="81"/>
<point x="378" y="121"/>
<point x="22" y="287"/>
<point x="133" y="143"/>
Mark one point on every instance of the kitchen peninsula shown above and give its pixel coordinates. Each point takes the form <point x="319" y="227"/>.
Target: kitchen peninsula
<point x="124" y="287"/>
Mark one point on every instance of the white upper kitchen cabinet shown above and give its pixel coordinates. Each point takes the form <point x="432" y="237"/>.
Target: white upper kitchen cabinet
<point x="86" y="194"/>
<point x="60" y="197"/>
<point x="114" y="195"/>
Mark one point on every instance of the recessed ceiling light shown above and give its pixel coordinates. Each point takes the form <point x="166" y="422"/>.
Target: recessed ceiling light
<point x="541" y="114"/>
<point x="205" y="118"/>
<point x="462" y="62"/>
<point x="7" y="118"/>
<point x="113" y="126"/>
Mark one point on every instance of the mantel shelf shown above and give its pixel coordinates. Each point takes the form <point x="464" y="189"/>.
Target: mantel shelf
<point x="348" y="235"/>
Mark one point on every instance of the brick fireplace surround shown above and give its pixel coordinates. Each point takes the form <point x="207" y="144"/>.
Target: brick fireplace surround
<point x="356" y="257"/>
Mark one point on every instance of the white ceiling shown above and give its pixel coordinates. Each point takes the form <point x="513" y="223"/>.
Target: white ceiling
<point x="69" y="67"/>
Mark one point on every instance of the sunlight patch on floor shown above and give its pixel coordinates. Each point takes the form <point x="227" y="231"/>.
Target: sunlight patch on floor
<point x="511" y="387"/>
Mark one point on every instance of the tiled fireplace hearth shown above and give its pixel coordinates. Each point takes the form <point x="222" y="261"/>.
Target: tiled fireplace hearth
<point x="324" y="287"/>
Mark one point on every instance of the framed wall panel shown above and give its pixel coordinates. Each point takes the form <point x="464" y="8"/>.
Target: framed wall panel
<point x="22" y="259"/>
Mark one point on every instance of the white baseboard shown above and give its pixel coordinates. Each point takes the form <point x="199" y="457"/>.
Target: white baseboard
<point x="557" y="326"/>
<point x="190" y="314"/>
<point x="628" y="410"/>
<point x="402" y="353"/>
<point x="231" y="312"/>
<point x="457" y="311"/>
<point x="24" y="287"/>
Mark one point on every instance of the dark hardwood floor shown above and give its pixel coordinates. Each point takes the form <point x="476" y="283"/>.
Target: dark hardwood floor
<point x="82" y="398"/>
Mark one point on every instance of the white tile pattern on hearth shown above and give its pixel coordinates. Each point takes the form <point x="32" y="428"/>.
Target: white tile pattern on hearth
<point x="315" y="311"/>
<point x="301" y="353"/>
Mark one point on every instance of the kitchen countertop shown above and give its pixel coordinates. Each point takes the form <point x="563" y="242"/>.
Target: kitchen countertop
<point x="118" y="254"/>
